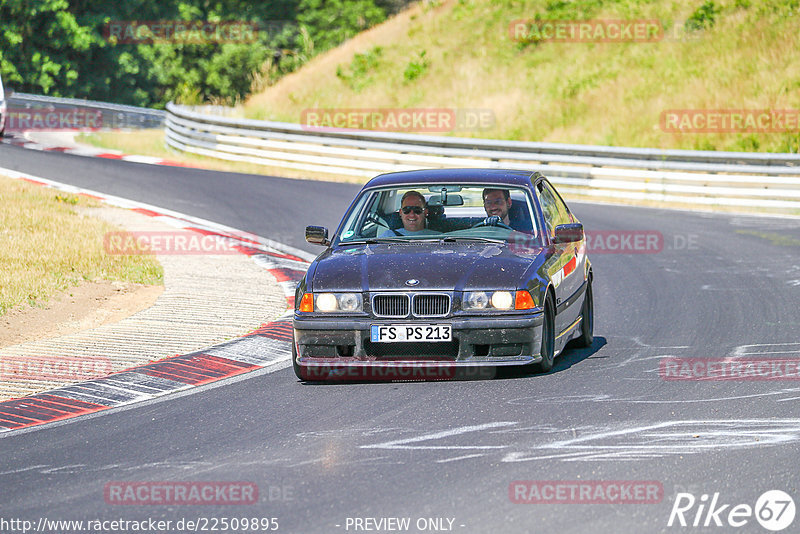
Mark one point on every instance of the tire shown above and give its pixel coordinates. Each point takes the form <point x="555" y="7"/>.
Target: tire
<point x="548" y="346"/>
<point x="297" y="370"/>
<point x="587" y="319"/>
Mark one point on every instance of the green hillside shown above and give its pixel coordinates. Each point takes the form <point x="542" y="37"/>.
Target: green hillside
<point x="458" y="55"/>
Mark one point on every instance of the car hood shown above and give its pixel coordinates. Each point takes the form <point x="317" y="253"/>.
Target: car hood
<point x="449" y="266"/>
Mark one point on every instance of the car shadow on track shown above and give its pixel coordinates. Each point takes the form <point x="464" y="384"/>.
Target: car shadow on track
<point x="569" y="357"/>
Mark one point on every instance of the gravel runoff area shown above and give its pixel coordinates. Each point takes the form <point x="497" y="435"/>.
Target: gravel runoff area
<point x="207" y="299"/>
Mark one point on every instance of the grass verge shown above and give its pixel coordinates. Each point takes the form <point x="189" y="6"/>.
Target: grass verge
<point x="47" y="246"/>
<point x="461" y="55"/>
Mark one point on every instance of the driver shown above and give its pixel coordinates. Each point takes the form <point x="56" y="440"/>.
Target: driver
<point x="413" y="212"/>
<point x="497" y="202"/>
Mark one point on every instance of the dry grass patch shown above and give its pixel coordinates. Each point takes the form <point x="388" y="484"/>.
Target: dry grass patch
<point x="47" y="246"/>
<point x="585" y="93"/>
<point x="140" y="142"/>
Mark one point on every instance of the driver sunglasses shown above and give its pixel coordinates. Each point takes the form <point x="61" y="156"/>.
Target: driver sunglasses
<point x="409" y="209"/>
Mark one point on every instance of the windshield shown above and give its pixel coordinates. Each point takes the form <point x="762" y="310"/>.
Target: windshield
<point x="450" y="212"/>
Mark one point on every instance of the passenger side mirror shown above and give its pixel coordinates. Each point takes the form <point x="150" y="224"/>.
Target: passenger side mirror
<point x="317" y="235"/>
<point x="568" y="233"/>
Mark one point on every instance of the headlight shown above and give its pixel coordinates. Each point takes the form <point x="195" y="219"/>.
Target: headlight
<point x="475" y="300"/>
<point x="502" y="300"/>
<point x="349" y="302"/>
<point x="337" y="302"/>
<point x="326" y="302"/>
<point x="496" y="300"/>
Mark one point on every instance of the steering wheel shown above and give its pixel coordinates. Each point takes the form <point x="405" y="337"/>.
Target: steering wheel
<point x="375" y="218"/>
<point x="494" y="220"/>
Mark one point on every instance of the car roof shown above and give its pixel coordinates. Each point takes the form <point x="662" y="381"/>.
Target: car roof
<point x="436" y="176"/>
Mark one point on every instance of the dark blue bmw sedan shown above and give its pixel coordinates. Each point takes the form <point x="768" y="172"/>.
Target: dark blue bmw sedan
<point x="433" y="274"/>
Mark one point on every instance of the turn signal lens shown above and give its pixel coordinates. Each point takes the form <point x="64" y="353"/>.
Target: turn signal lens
<point x="307" y="303"/>
<point x="524" y="301"/>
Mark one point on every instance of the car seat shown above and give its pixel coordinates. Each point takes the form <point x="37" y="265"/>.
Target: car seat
<point x="520" y="218"/>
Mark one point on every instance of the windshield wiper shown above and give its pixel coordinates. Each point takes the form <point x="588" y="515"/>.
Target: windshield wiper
<point x="374" y="240"/>
<point x="453" y="239"/>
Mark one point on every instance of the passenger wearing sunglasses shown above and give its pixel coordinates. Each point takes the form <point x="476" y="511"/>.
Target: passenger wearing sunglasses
<point x="413" y="213"/>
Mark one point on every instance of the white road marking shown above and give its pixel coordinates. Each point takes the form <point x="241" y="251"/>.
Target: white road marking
<point x="404" y="443"/>
<point x="743" y="350"/>
<point x="466" y="456"/>
<point x="523" y="401"/>
<point x="664" y="439"/>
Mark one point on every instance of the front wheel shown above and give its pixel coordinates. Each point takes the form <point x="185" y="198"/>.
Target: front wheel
<point x="587" y="318"/>
<point x="548" y="347"/>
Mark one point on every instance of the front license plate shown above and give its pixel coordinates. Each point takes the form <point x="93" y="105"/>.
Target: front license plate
<point x="396" y="333"/>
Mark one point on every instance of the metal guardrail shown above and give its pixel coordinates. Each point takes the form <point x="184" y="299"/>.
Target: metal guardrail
<point x="114" y="116"/>
<point x="696" y="177"/>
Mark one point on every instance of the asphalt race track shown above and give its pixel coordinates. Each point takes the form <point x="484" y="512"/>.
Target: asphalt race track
<point x="328" y="458"/>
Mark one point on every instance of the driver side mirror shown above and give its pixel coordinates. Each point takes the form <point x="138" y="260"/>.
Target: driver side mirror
<point x="317" y="235"/>
<point x="568" y="233"/>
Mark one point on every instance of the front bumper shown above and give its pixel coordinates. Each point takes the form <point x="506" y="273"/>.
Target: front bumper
<point x="343" y="344"/>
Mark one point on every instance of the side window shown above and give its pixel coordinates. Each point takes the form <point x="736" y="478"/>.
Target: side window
<point x="360" y="221"/>
<point x="549" y="208"/>
<point x="554" y="209"/>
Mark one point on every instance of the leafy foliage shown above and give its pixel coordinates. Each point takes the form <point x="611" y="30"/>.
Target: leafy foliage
<point x="331" y="22"/>
<point x="64" y="48"/>
<point x="416" y="67"/>
<point x="357" y="76"/>
<point x="703" y="17"/>
<point x="571" y="10"/>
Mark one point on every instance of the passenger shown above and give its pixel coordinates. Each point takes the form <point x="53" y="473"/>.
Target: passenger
<point x="413" y="212"/>
<point x="497" y="202"/>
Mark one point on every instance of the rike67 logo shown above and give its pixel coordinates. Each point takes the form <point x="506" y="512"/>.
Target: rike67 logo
<point x="774" y="510"/>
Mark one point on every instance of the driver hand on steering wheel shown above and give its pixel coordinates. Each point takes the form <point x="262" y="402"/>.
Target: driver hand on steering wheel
<point x="497" y="202"/>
